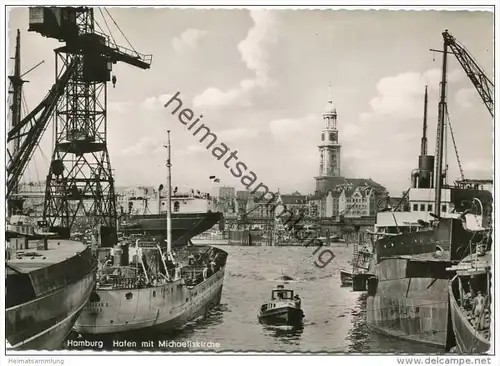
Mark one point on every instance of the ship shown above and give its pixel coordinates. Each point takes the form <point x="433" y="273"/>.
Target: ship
<point x="284" y="309"/>
<point x="149" y="293"/>
<point x="143" y="286"/>
<point x="345" y="278"/>
<point x="49" y="280"/>
<point x="48" y="277"/>
<point x="470" y="302"/>
<point x="193" y="213"/>
<point x="360" y="272"/>
<point x="416" y="244"/>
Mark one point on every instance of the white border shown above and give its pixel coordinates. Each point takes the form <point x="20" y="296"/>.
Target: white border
<point x="137" y="357"/>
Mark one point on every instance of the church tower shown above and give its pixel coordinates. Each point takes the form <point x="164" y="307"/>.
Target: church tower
<point x="329" y="148"/>
<point x="329" y="151"/>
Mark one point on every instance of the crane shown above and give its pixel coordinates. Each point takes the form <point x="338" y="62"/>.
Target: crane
<point x="477" y="76"/>
<point x="80" y="169"/>
<point x="484" y="86"/>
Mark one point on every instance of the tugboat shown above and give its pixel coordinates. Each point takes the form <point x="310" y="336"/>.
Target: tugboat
<point x="144" y="287"/>
<point x="284" y="309"/>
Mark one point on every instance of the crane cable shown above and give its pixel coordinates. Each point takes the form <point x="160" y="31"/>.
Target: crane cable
<point x="107" y="26"/>
<point x="124" y="36"/>
<point x="99" y="26"/>
<point x="454" y="144"/>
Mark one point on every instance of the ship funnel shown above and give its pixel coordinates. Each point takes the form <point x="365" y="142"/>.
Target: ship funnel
<point x="425" y="171"/>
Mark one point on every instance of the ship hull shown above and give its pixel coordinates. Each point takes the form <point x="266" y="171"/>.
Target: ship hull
<point x="162" y="308"/>
<point x="467" y="339"/>
<point x="407" y="304"/>
<point x="282" y="316"/>
<point x="44" y="323"/>
<point x="184" y="225"/>
<point x="408" y="294"/>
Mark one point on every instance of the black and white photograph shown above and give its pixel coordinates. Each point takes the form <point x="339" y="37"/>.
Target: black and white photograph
<point x="249" y="180"/>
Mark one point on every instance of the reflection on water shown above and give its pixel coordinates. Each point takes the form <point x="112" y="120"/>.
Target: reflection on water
<point x="359" y="334"/>
<point x="286" y="334"/>
<point x="334" y="315"/>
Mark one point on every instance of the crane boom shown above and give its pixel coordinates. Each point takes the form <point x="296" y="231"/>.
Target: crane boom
<point x="29" y="130"/>
<point x="61" y="23"/>
<point x="477" y="76"/>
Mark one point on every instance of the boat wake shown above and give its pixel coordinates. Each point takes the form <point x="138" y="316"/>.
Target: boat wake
<point x="282" y="327"/>
<point x="285" y="279"/>
<point x="246" y="276"/>
<point x="286" y="333"/>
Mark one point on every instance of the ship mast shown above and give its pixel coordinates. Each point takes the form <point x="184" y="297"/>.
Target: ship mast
<point x="440" y="133"/>
<point x="16" y="82"/>
<point x="169" y="197"/>
<point x="423" y="143"/>
<point x="17" y="85"/>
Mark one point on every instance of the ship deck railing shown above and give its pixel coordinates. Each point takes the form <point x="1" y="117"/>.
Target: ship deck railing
<point x="120" y="283"/>
<point x="193" y="275"/>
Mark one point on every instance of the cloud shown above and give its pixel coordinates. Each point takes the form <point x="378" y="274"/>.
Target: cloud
<point x="144" y="146"/>
<point x="397" y="96"/>
<point x="188" y="40"/>
<point x="251" y="48"/>
<point x="481" y="168"/>
<point x="253" y="51"/>
<point x="238" y="134"/>
<point x="149" y="104"/>
<point x="191" y="150"/>
<point x="155" y="103"/>
<point x="213" y="97"/>
<point x="349" y="131"/>
<point x="464" y="96"/>
<point x="119" y="107"/>
<point x="286" y="127"/>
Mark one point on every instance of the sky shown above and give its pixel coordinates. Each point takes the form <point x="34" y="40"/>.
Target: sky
<point x="261" y="80"/>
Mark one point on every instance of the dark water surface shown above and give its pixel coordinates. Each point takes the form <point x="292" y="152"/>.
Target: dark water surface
<point x="334" y="315"/>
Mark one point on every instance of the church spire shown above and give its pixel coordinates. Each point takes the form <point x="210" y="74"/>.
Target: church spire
<point x="330" y="113"/>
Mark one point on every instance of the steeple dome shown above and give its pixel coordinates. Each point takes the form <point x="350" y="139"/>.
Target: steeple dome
<point x="330" y="109"/>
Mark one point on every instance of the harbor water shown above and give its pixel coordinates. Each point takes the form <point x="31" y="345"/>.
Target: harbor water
<point x="334" y="315"/>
